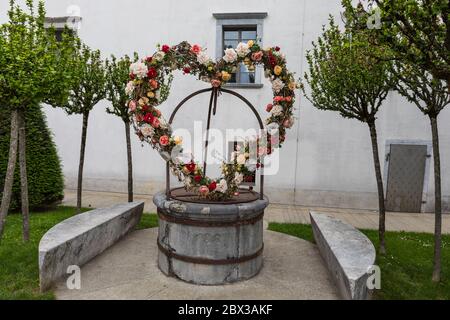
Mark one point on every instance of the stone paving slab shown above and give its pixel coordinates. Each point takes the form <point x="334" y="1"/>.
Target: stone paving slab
<point x="293" y="269"/>
<point x="364" y="219"/>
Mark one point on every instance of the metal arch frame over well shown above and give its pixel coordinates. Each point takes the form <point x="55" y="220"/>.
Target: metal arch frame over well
<point x="212" y="111"/>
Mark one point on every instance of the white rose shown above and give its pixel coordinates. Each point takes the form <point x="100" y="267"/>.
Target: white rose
<point x="242" y="49"/>
<point x="241" y="159"/>
<point x="139" y="69"/>
<point x="238" y="178"/>
<point x="230" y="55"/>
<point x="159" y="55"/>
<point x="277" y="85"/>
<point x="147" y="130"/>
<point x="222" y="186"/>
<point x="129" y="88"/>
<point x="203" y="58"/>
<point x="277" y="110"/>
<point x="158" y="94"/>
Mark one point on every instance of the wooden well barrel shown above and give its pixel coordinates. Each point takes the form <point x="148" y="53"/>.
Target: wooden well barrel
<point x="210" y="243"/>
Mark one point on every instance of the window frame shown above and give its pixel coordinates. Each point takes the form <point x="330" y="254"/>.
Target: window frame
<point x="239" y="29"/>
<point x="60" y="23"/>
<point x="236" y="20"/>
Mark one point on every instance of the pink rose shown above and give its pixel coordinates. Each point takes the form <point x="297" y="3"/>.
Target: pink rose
<point x="257" y="56"/>
<point x="155" y="122"/>
<point x="203" y="190"/>
<point x="262" y="151"/>
<point x="139" y="118"/>
<point x="274" y="140"/>
<point x="288" y="123"/>
<point x="164" y="140"/>
<point x="215" y="83"/>
<point x="196" y="49"/>
<point x="132" y="105"/>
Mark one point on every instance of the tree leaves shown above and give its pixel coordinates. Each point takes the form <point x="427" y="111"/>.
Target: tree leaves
<point x="345" y="76"/>
<point x="31" y="59"/>
<point x="117" y="76"/>
<point x="88" y="81"/>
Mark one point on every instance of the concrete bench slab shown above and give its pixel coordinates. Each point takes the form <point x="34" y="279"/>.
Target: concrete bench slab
<point x="80" y="238"/>
<point x="348" y="254"/>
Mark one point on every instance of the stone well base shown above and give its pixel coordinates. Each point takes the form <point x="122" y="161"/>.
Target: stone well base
<point x="210" y="244"/>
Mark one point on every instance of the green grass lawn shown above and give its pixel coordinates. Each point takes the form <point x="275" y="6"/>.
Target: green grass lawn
<point x="19" y="274"/>
<point x="406" y="268"/>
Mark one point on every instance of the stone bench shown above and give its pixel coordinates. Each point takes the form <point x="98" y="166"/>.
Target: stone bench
<point x="348" y="255"/>
<point x="80" y="238"/>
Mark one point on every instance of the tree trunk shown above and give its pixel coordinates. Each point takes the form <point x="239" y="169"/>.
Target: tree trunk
<point x="23" y="176"/>
<point x="381" y="206"/>
<point x="9" y="178"/>
<point x="81" y="164"/>
<point x="437" y="201"/>
<point x="130" y="161"/>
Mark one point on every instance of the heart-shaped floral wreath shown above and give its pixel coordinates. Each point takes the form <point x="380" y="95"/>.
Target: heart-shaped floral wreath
<point x="149" y="85"/>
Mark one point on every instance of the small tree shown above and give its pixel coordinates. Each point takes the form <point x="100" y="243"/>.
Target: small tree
<point x="29" y="74"/>
<point x="117" y="76"/>
<point x="417" y="34"/>
<point x="430" y="95"/>
<point x="88" y="89"/>
<point x="344" y="77"/>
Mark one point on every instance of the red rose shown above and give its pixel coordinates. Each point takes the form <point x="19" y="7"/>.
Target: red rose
<point x="164" y="140"/>
<point x="148" y="118"/>
<point x="272" y="61"/>
<point x="165" y="48"/>
<point x="248" y="178"/>
<point x="278" y="98"/>
<point x="212" y="186"/>
<point x="149" y="59"/>
<point x="277" y="48"/>
<point x="196" y="49"/>
<point x="269" y="107"/>
<point x="145" y="108"/>
<point x="198" y="178"/>
<point x="131" y="76"/>
<point x="152" y="73"/>
<point x="187" y="70"/>
<point x="190" y="167"/>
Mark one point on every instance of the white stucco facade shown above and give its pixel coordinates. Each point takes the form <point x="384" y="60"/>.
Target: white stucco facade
<point x="326" y="160"/>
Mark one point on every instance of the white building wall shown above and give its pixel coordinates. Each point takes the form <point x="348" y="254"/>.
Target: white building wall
<point x="326" y="160"/>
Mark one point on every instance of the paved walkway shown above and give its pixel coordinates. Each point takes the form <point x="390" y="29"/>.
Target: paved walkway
<point x="365" y="219"/>
<point x="293" y="269"/>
